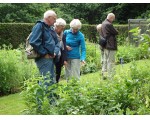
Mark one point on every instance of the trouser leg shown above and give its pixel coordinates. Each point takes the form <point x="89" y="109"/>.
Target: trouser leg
<point x="111" y="63"/>
<point x="104" y="65"/>
<point x="73" y="69"/>
<point x="58" y="71"/>
<point x="46" y="68"/>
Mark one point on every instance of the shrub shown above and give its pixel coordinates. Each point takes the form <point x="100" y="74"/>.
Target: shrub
<point x="130" y="53"/>
<point x="123" y="34"/>
<point x="16" y="33"/>
<point x="92" y="58"/>
<point x="14" y="70"/>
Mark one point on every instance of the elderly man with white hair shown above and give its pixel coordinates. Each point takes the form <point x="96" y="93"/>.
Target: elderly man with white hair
<point x="59" y="26"/>
<point x="76" y="50"/>
<point x="44" y="40"/>
<point x="109" y="33"/>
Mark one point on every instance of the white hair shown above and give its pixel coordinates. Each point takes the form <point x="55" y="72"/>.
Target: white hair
<point x="98" y="27"/>
<point x="75" y="24"/>
<point x="60" y="22"/>
<point x="110" y="15"/>
<point x="49" y="13"/>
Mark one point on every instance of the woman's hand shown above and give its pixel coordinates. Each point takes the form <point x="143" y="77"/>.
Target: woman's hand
<point x="68" y="48"/>
<point x="83" y="62"/>
<point x="65" y="63"/>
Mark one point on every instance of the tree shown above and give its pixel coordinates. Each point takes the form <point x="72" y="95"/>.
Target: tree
<point x="90" y="13"/>
<point x="86" y="12"/>
<point x="22" y="12"/>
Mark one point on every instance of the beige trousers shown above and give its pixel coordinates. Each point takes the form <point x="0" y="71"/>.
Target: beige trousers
<point x="72" y="69"/>
<point x="108" y="67"/>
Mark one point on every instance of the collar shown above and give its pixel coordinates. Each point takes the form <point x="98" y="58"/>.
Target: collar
<point x="108" y="21"/>
<point x="70" y="30"/>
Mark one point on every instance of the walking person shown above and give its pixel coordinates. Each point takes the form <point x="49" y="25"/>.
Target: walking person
<point x="76" y="49"/>
<point x="59" y="26"/>
<point x="109" y="33"/>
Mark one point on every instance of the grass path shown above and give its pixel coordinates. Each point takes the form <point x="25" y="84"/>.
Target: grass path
<point x="11" y="105"/>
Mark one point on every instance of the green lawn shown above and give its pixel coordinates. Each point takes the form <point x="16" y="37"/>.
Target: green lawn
<point x="13" y="104"/>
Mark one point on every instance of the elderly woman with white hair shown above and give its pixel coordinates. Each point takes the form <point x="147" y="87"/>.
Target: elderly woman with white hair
<point x="59" y="26"/>
<point x="98" y="27"/>
<point x="76" y="50"/>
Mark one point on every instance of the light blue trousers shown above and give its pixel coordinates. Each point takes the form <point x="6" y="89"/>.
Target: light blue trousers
<point x="46" y="68"/>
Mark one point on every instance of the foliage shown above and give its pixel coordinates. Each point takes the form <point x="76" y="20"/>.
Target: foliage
<point x="76" y="10"/>
<point x="22" y="12"/>
<point x="129" y="53"/>
<point x="142" y="51"/>
<point x="122" y="35"/>
<point x="142" y="39"/>
<point x="92" y="59"/>
<point x="16" y="33"/>
<point x="95" y="12"/>
<point x="124" y="11"/>
<point x="128" y="94"/>
<point x="14" y="69"/>
<point x="39" y="98"/>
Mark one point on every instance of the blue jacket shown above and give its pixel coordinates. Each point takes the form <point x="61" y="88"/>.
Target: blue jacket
<point x="77" y="43"/>
<point x="44" y="39"/>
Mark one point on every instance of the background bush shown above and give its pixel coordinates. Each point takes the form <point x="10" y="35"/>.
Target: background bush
<point x="16" y="33"/>
<point x="93" y="58"/>
<point x="130" y="53"/>
<point x="14" y="69"/>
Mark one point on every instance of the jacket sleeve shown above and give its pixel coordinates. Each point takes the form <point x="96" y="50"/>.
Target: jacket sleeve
<point x="35" y="39"/>
<point x="110" y="28"/>
<point x="83" y="48"/>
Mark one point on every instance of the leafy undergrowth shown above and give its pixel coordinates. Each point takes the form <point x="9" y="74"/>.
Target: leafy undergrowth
<point x="127" y="93"/>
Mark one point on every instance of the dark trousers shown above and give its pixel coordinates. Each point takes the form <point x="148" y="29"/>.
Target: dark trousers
<point x="58" y="69"/>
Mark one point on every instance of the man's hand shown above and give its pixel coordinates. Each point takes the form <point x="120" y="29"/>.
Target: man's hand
<point x="50" y="56"/>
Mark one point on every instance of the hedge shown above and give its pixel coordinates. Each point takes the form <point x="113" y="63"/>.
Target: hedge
<point x="16" y="33"/>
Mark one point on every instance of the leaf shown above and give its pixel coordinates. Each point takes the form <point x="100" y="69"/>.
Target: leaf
<point x="134" y="30"/>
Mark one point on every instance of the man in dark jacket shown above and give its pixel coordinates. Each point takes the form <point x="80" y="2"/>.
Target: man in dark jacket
<point x="44" y="40"/>
<point x="109" y="33"/>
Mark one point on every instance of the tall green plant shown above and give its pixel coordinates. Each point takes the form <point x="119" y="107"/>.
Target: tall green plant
<point x="14" y="69"/>
<point x="142" y="39"/>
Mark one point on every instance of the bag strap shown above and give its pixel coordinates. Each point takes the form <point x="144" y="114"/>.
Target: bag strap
<point x="103" y="35"/>
<point x="42" y="33"/>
